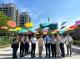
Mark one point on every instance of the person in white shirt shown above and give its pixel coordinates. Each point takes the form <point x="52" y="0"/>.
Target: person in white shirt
<point x="33" y="46"/>
<point x="69" y="42"/>
<point x="53" y="46"/>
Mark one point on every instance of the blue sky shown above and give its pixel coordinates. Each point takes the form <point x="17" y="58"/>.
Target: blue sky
<point x="57" y="10"/>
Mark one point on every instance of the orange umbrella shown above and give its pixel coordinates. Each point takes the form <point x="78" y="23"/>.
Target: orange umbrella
<point x="11" y="23"/>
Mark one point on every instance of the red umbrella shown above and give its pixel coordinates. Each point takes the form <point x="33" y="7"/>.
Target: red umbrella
<point x="11" y="23"/>
<point x="73" y="27"/>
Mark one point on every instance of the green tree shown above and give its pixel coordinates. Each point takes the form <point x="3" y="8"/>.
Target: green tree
<point x="3" y="19"/>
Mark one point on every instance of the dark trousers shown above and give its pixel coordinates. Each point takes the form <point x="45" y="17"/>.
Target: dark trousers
<point x="33" y="50"/>
<point x="53" y="49"/>
<point x="62" y="49"/>
<point x="47" y="46"/>
<point x="22" y="52"/>
<point x="26" y="49"/>
<point x="15" y="53"/>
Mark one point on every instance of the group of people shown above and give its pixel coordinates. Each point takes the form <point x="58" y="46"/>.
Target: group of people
<point x="54" y="45"/>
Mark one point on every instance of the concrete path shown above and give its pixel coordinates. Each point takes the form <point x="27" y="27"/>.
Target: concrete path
<point x="6" y="53"/>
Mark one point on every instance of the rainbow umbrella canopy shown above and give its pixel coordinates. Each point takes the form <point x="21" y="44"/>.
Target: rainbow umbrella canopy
<point x="28" y="24"/>
<point x="11" y="24"/>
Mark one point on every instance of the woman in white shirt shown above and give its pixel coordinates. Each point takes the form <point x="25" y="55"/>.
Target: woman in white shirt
<point x="33" y="46"/>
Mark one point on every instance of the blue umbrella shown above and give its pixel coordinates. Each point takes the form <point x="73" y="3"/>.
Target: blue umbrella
<point x="45" y="24"/>
<point x="23" y="31"/>
<point x="31" y="29"/>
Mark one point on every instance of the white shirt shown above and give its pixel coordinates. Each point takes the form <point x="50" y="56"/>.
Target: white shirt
<point x="68" y="39"/>
<point x="62" y="40"/>
<point x="53" y="40"/>
<point x="34" y="40"/>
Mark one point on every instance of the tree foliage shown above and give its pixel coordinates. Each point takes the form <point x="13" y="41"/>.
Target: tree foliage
<point x="3" y="19"/>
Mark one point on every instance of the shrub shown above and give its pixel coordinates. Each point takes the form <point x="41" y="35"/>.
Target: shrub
<point x="76" y="42"/>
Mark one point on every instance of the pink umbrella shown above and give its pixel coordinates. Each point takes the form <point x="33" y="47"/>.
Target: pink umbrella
<point x="77" y="22"/>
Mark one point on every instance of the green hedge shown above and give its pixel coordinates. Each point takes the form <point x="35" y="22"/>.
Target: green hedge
<point x="5" y="40"/>
<point x="76" y="42"/>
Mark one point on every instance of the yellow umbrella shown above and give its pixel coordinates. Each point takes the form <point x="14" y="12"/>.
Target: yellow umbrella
<point x="18" y="28"/>
<point x="29" y="24"/>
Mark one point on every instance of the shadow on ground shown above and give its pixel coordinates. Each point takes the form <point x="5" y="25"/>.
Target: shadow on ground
<point x="32" y="58"/>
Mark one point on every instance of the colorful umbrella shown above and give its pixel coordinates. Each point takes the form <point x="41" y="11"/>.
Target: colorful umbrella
<point x="62" y="27"/>
<point x="12" y="30"/>
<point x="45" y="29"/>
<point x="29" y="24"/>
<point x="31" y="29"/>
<point x="45" y="24"/>
<point x="61" y="32"/>
<point x="11" y="23"/>
<point x="45" y="32"/>
<point x="63" y="23"/>
<point x="22" y="31"/>
<point x="54" y="31"/>
<point x="77" y="22"/>
<point x="18" y="28"/>
<point x="4" y="27"/>
<point x="73" y="26"/>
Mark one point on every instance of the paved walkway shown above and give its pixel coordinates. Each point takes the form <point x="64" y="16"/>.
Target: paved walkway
<point x="6" y="53"/>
